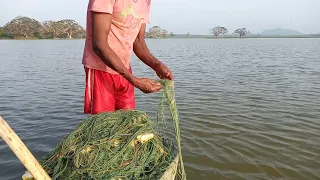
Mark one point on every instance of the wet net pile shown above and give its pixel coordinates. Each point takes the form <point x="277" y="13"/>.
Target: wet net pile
<point x="118" y="145"/>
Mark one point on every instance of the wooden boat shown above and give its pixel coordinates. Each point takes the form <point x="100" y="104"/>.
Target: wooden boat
<point x="169" y="174"/>
<point x="171" y="171"/>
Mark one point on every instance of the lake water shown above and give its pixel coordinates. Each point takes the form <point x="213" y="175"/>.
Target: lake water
<point x="249" y="109"/>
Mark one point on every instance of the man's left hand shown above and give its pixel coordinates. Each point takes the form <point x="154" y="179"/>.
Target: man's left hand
<point x="164" y="72"/>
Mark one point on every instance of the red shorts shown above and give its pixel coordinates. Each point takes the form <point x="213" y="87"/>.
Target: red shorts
<point x="107" y="92"/>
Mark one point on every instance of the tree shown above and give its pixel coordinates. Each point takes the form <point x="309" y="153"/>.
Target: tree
<point x="2" y="33"/>
<point x="218" y="30"/>
<point x="66" y="28"/>
<point x="171" y="34"/>
<point x="157" y="32"/>
<point x="23" y="27"/>
<point x="188" y="35"/>
<point x="164" y="33"/>
<point x="154" y="32"/>
<point x="80" y="34"/>
<point x="241" y="32"/>
<point x="26" y="27"/>
<point x="69" y="27"/>
<point x="51" y="29"/>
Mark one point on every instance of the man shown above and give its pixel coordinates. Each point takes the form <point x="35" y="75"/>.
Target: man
<point x="116" y="29"/>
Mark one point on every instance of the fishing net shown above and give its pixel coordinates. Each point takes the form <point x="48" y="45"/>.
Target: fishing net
<point x="118" y="145"/>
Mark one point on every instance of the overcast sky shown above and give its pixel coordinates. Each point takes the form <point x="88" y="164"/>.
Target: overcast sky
<point x="194" y="16"/>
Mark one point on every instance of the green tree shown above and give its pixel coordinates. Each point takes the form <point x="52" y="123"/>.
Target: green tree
<point x="2" y="33"/>
<point x="164" y="33"/>
<point x="242" y="32"/>
<point x="157" y="32"/>
<point x="218" y="30"/>
<point x="23" y="27"/>
<point x="51" y="29"/>
<point x="154" y="32"/>
<point x="26" y="27"/>
<point x="80" y="34"/>
<point x="68" y="27"/>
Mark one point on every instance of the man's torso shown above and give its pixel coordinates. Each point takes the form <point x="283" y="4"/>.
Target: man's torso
<point x="127" y="17"/>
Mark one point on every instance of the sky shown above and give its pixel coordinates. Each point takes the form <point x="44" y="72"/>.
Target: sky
<point x="183" y="16"/>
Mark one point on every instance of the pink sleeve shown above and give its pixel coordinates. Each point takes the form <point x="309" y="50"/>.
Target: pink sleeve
<point x="147" y="16"/>
<point x="103" y="6"/>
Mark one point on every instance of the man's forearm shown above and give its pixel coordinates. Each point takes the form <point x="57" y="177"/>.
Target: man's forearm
<point x="143" y="53"/>
<point x="110" y="58"/>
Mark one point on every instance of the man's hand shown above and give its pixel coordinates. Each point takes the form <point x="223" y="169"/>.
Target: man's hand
<point x="147" y="85"/>
<point x="141" y="50"/>
<point x="163" y="72"/>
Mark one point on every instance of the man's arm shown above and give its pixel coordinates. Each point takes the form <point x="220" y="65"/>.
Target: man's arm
<point x="141" y="50"/>
<point x="101" y="23"/>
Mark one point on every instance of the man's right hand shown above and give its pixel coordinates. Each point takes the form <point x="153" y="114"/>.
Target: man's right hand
<point x="147" y="85"/>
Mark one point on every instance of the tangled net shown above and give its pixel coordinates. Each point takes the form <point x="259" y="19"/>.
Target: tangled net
<point x="118" y="145"/>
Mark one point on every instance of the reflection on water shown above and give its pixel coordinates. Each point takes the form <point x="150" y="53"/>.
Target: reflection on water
<point x="249" y="108"/>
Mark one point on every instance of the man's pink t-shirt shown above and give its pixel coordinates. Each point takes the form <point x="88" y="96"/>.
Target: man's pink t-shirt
<point x="127" y="17"/>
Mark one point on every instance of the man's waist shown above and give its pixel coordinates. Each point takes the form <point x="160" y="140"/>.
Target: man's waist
<point x="101" y="66"/>
<point x="92" y="60"/>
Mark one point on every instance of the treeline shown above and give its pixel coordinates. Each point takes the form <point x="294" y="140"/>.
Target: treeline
<point x="157" y="32"/>
<point x="219" y="30"/>
<point x="23" y="27"/>
<point x="28" y="28"/>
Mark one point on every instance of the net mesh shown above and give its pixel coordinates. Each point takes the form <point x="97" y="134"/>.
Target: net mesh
<point x="118" y="145"/>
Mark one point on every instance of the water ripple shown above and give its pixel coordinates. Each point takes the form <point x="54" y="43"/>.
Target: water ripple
<point x="245" y="113"/>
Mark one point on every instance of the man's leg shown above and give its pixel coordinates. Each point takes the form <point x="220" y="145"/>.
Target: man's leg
<point x="124" y="94"/>
<point x="99" y="93"/>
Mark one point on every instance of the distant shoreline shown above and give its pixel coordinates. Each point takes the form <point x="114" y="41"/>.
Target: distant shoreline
<point x="34" y="38"/>
<point x="68" y="29"/>
<point x="189" y="37"/>
<point x="248" y="36"/>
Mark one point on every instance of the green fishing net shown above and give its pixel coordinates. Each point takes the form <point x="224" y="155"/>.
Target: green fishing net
<point x="119" y="145"/>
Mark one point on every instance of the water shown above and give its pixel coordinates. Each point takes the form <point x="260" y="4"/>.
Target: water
<point x="249" y="108"/>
